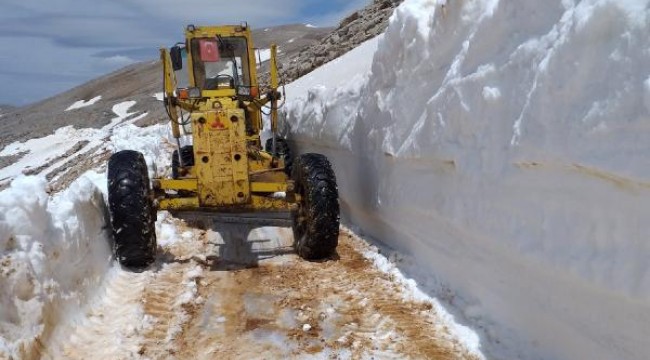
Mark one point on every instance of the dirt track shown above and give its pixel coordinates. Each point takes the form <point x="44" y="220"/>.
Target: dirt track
<point x="255" y="299"/>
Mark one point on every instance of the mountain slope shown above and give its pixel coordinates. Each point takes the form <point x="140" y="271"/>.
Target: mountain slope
<point x="6" y="109"/>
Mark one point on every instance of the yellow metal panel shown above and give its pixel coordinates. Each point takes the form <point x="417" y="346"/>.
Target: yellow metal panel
<point x="221" y="160"/>
<point x="219" y="93"/>
<point x="257" y="203"/>
<point x="169" y="85"/>
<point x="239" y="156"/>
<point x="274" y="86"/>
<point x="268" y="187"/>
<point x="212" y="31"/>
<point x="267" y="203"/>
<point x="274" y="67"/>
<point x="178" y="204"/>
<point x="183" y="184"/>
<point x="204" y="157"/>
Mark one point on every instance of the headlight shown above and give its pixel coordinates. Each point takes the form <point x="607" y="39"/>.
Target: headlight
<point x="194" y="92"/>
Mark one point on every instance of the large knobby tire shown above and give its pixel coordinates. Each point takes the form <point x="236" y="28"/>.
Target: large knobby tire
<point x="316" y="222"/>
<point x="131" y="208"/>
<point x="187" y="154"/>
<point x="283" y="151"/>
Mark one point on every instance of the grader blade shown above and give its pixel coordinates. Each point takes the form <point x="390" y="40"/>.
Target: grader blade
<point x="257" y="219"/>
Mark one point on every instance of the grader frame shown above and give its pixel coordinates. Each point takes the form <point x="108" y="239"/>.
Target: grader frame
<point x="225" y="174"/>
<point x="230" y="173"/>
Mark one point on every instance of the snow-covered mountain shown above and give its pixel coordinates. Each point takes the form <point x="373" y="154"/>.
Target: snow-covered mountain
<point x="503" y="148"/>
<point x="497" y="152"/>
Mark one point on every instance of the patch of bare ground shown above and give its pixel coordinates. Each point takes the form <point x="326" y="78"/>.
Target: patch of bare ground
<point x="61" y="177"/>
<point x="10" y="159"/>
<point x="73" y="150"/>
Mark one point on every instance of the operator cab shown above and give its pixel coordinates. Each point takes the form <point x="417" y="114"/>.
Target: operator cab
<point x="220" y="62"/>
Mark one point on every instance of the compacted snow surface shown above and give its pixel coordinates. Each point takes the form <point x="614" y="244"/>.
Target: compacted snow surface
<point x="504" y="149"/>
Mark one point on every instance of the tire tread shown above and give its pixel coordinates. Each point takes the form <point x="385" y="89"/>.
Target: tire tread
<point x="316" y="182"/>
<point x="131" y="208"/>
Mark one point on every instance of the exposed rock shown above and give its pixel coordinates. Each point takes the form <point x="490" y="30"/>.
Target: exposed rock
<point x="358" y="27"/>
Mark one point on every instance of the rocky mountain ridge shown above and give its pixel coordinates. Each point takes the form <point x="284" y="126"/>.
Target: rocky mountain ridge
<point x="353" y="30"/>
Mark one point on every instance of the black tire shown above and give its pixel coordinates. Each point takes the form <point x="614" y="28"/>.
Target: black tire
<point x="282" y="150"/>
<point x="131" y="208"/>
<point x="187" y="153"/>
<point x="316" y="222"/>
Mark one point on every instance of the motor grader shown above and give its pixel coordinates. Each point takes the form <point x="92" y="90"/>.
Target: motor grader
<point x="224" y="173"/>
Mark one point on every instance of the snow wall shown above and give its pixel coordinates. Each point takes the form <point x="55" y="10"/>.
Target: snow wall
<point x="54" y="252"/>
<point x="505" y="147"/>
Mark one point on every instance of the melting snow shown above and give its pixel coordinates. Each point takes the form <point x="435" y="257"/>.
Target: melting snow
<point x="82" y="103"/>
<point x="46" y="152"/>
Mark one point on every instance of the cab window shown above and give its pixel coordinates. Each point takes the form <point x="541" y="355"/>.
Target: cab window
<point x="220" y="63"/>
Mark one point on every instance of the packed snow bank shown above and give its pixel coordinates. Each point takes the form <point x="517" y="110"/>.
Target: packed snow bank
<point x="55" y="250"/>
<point x="504" y="146"/>
<point x="53" y="253"/>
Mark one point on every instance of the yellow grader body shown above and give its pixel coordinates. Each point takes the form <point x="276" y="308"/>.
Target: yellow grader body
<point x="225" y="173"/>
<point x="230" y="173"/>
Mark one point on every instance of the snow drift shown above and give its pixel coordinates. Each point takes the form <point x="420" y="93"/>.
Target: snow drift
<point x="55" y="250"/>
<point x="504" y="145"/>
<point x="53" y="253"/>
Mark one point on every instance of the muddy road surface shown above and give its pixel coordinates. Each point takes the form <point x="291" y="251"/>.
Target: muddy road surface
<point x="233" y="292"/>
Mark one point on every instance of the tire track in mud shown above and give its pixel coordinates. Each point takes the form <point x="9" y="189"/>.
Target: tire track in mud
<point x="111" y="327"/>
<point x="158" y="301"/>
<point x="136" y="315"/>
<point x="172" y="293"/>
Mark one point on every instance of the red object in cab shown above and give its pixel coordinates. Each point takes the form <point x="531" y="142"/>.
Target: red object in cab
<point x="209" y="50"/>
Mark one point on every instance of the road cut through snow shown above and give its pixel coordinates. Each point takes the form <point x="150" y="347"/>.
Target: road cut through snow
<point x="232" y="291"/>
<point x="237" y="291"/>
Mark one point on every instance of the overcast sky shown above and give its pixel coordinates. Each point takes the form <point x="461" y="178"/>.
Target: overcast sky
<point x="48" y="46"/>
